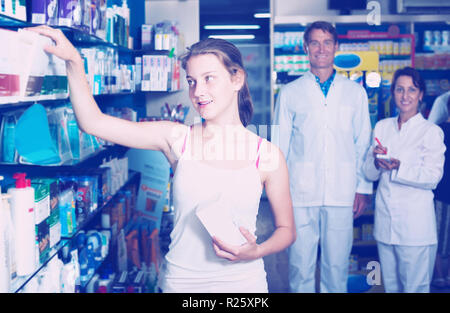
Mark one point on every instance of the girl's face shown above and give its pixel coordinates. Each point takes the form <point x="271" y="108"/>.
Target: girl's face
<point x="212" y="90"/>
<point x="406" y="95"/>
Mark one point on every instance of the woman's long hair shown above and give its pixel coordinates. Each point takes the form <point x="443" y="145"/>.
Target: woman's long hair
<point x="231" y="58"/>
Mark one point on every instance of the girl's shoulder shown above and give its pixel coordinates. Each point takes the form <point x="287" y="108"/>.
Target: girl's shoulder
<point x="271" y="157"/>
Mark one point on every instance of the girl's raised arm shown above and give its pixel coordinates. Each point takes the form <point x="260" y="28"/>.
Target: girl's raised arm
<point x="142" y="135"/>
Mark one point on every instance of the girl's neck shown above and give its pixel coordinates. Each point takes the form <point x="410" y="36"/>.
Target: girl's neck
<point x="211" y="128"/>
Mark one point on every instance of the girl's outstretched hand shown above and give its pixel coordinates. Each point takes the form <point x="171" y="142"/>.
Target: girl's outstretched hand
<point x="247" y="251"/>
<point x="63" y="48"/>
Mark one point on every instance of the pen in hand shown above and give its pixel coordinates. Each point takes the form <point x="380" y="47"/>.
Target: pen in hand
<point x="381" y="146"/>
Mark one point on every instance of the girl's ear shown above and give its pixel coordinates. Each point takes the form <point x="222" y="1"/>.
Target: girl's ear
<point x="238" y="79"/>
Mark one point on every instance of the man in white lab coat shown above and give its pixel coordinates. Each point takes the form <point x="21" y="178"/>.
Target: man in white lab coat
<point x="324" y="133"/>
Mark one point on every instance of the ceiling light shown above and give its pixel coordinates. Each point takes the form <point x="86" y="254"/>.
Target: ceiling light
<point x="261" y="15"/>
<point x="233" y="37"/>
<point x="232" y="27"/>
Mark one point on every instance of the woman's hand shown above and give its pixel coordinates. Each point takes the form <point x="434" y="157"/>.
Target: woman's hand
<point x="247" y="251"/>
<point x="63" y="48"/>
<point x="380" y="163"/>
<point x="394" y="164"/>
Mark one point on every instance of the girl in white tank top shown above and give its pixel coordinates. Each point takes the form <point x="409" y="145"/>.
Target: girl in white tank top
<point x="191" y="264"/>
<point x="219" y="93"/>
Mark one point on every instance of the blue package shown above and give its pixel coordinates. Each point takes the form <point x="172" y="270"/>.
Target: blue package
<point x="33" y="141"/>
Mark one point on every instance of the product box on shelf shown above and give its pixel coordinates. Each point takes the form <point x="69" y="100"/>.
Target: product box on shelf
<point x="117" y="214"/>
<point x="27" y="72"/>
<point x="8" y="151"/>
<point x="44" y="12"/>
<point x="103" y="177"/>
<point x="86" y="17"/>
<point x="48" y="226"/>
<point x="57" y="122"/>
<point x="102" y="20"/>
<point x="85" y="191"/>
<point x="14" y="8"/>
<point x="70" y="13"/>
<point x="86" y="199"/>
<point x="146" y="36"/>
<point x="55" y="84"/>
<point x="157" y="73"/>
<point x="9" y="68"/>
<point x="67" y="207"/>
<point x="42" y="212"/>
<point x="34" y="62"/>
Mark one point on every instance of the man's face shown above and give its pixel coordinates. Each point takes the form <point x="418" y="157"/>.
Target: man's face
<point x="321" y="49"/>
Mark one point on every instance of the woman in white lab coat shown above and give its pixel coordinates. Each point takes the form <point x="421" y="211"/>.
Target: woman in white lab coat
<point x="407" y="157"/>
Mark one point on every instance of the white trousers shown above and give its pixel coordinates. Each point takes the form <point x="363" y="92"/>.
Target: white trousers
<point x="406" y="268"/>
<point x="333" y="227"/>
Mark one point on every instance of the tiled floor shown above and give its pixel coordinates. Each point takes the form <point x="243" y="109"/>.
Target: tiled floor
<point x="277" y="264"/>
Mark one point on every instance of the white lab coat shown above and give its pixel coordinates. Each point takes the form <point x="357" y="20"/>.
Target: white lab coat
<point x="324" y="140"/>
<point x="404" y="213"/>
<point x="439" y="111"/>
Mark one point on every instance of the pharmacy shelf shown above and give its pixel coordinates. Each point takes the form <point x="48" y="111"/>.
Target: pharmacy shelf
<point x="20" y="282"/>
<point x="132" y="177"/>
<point x="7" y="21"/>
<point x="81" y="38"/>
<point x="25" y="103"/>
<point x="16" y="105"/>
<point x="77" y="36"/>
<point x="92" y="160"/>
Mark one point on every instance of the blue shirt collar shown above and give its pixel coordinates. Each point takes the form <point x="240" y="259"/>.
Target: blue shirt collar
<point x="325" y="86"/>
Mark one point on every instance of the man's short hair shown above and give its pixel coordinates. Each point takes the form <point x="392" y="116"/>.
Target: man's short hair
<point x="324" y="26"/>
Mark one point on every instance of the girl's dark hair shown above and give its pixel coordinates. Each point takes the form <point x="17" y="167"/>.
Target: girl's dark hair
<point x="324" y="26"/>
<point x="415" y="76"/>
<point x="231" y="58"/>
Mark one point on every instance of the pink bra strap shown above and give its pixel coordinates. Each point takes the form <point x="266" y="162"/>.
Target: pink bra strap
<point x="185" y="139"/>
<point x="259" y="145"/>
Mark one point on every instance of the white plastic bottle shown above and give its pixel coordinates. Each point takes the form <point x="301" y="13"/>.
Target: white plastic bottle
<point x="5" y="250"/>
<point x="12" y="252"/>
<point x="22" y="207"/>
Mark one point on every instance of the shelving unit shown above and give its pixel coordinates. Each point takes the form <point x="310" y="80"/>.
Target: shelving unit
<point x="20" y="282"/>
<point x="140" y="101"/>
<point x="79" y="39"/>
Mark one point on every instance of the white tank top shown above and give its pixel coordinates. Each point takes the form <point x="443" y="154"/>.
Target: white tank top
<point x="191" y="253"/>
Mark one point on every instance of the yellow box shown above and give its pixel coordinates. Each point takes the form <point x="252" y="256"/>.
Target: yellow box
<point x="356" y="61"/>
